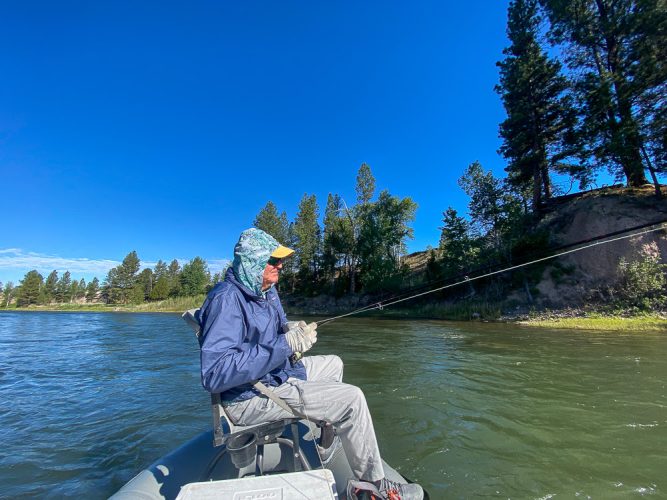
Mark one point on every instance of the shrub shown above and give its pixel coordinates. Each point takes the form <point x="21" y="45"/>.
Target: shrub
<point x="642" y="284"/>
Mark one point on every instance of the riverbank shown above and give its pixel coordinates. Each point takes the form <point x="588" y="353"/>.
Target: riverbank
<point x="655" y="322"/>
<point x="175" y="305"/>
<point x="571" y="319"/>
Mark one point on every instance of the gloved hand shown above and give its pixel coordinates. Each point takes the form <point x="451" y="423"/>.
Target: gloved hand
<point x="301" y="337"/>
<point x="291" y="324"/>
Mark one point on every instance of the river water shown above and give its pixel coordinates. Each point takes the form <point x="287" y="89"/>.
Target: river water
<point x="469" y="410"/>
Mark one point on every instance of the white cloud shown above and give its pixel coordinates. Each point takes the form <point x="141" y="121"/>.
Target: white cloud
<point x="15" y="263"/>
<point x="217" y="265"/>
<point x="15" y="259"/>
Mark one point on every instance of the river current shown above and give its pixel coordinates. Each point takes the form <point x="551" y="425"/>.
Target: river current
<point x="469" y="410"/>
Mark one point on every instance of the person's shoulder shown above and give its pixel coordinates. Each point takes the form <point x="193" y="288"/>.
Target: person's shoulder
<point x="222" y="291"/>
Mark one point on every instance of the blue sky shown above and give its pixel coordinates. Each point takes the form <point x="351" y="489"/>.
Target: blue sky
<point x="164" y="127"/>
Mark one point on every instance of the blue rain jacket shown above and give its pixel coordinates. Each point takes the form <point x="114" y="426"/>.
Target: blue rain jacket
<point x="242" y="338"/>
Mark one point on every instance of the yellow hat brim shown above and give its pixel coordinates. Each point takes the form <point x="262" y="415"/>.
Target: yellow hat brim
<point x="281" y="252"/>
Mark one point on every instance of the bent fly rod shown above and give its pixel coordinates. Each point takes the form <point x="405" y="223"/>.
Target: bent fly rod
<point x="589" y="243"/>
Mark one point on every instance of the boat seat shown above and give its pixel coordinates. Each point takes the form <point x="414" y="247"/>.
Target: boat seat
<point x="225" y="432"/>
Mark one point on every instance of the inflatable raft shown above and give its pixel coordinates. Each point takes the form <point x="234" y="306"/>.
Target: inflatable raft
<point x="267" y="463"/>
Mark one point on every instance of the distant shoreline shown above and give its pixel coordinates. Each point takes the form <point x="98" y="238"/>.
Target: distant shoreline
<point x="570" y="320"/>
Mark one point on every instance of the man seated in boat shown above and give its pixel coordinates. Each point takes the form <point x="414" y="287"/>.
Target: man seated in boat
<point x="245" y="337"/>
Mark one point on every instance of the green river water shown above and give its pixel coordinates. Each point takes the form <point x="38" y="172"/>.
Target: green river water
<point x="469" y="410"/>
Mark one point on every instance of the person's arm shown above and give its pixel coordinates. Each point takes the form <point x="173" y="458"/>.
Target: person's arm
<point x="226" y="360"/>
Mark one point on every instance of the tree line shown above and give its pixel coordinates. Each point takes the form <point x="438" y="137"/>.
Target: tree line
<point x="358" y="248"/>
<point x="126" y="283"/>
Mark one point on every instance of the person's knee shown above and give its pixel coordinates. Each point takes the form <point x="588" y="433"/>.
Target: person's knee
<point x="356" y="397"/>
<point x="337" y="364"/>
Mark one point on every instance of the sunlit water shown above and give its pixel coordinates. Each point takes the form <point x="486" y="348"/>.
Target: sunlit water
<point x="468" y="410"/>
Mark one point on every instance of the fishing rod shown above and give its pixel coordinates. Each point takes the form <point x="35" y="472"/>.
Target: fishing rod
<point x="588" y="243"/>
<point x="488" y="265"/>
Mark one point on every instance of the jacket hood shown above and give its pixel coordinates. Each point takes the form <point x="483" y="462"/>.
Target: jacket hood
<point x="251" y="254"/>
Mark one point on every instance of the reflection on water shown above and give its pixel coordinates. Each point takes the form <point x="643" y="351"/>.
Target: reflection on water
<point x="468" y="410"/>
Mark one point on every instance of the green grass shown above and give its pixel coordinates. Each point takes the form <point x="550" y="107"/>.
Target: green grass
<point x="648" y="323"/>
<point x="177" y="304"/>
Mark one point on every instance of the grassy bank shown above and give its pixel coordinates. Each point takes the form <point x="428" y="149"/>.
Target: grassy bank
<point x="177" y="304"/>
<point x="644" y="323"/>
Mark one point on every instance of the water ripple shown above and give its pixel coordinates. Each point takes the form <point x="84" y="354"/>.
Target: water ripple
<point x="474" y="410"/>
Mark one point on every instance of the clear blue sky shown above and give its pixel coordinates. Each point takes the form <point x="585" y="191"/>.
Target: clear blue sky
<point x="164" y="127"/>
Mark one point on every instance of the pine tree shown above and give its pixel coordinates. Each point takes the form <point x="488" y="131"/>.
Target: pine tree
<point x="270" y="222"/>
<point x="457" y="250"/>
<point x="365" y="187"/>
<point x="160" y="270"/>
<point x="538" y="134"/>
<point x="92" y="290"/>
<point x="195" y="277"/>
<point x="73" y="290"/>
<point x="173" y="276"/>
<point x="308" y="240"/>
<point x="81" y="294"/>
<point x="160" y="288"/>
<point x="31" y="288"/>
<point x="122" y="279"/>
<point x="331" y="236"/>
<point x="64" y="288"/>
<point x="50" y="287"/>
<point x="145" y="284"/>
<point x="602" y="40"/>
<point x="493" y="209"/>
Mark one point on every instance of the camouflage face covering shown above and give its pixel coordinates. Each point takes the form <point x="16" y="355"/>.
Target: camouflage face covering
<point x="250" y="256"/>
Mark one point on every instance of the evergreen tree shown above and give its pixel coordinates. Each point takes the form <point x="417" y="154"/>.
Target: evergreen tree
<point x="308" y="239"/>
<point x="122" y="279"/>
<point x="161" y="287"/>
<point x="81" y="293"/>
<point x="457" y="251"/>
<point x="145" y="284"/>
<point x="492" y="208"/>
<point x="173" y="277"/>
<point x="270" y="222"/>
<point x="92" y="290"/>
<point x="365" y="187"/>
<point x="31" y="288"/>
<point x="603" y="40"/>
<point x="73" y="291"/>
<point x="50" y="287"/>
<point x="649" y="50"/>
<point x="538" y="132"/>
<point x="331" y="237"/>
<point x="160" y="270"/>
<point x="64" y="288"/>
<point x="195" y="277"/>
<point x="8" y="294"/>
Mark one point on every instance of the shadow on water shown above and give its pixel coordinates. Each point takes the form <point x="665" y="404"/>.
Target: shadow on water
<point x="468" y="410"/>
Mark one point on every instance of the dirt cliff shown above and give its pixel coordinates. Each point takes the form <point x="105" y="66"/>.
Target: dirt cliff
<point x="589" y="215"/>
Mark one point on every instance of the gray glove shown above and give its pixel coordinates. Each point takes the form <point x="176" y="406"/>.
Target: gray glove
<point x="301" y="337"/>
